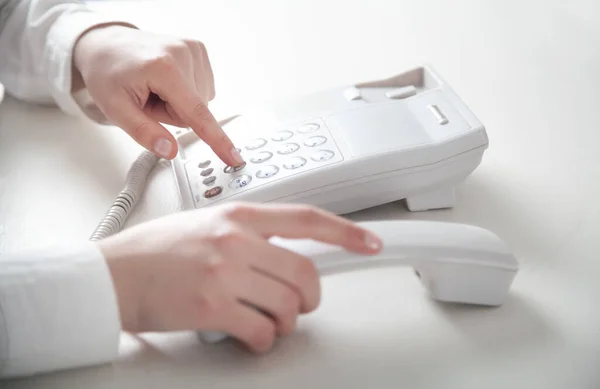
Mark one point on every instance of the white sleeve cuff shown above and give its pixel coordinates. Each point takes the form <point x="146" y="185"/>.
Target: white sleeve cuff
<point x="58" y="310"/>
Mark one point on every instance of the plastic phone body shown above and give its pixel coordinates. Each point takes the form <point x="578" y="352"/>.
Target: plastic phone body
<point x="344" y="149"/>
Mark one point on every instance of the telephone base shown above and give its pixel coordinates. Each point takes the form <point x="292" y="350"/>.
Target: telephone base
<point x="438" y="199"/>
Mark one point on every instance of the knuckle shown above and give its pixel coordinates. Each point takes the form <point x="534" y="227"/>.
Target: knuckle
<point x="305" y="272"/>
<point x="161" y="62"/>
<point x="178" y="47"/>
<point x="239" y="212"/>
<point x="289" y="306"/>
<point x="202" y="114"/>
<point x="141" y="131"/>
<point x="215" y="269"/>
<point x="227" y="237"/>
<point x="263" y="334"/>
<point x="307" y="279"/>
<point x="309" y="215"/>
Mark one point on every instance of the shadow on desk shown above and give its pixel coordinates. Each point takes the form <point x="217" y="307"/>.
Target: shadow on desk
<point x="315" y="357"/>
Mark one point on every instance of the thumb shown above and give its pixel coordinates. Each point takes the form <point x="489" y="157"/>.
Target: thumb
<point x="145" y="130"/>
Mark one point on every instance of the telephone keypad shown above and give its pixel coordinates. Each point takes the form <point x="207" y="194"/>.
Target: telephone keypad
<point x="274" y="155"/>
<point x="288" y="148"/>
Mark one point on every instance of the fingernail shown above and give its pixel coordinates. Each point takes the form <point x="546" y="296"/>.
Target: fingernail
<point x="372" y="241"/>
<point x="163" y="148"/>
<point x="235" y="154"/>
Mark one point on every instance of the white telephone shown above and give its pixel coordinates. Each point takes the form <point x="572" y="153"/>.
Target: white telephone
<point x="457" y="263"/>
<point x="344" y="149"/>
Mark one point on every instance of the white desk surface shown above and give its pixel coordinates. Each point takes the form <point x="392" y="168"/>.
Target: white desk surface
<point x="528" y="69"/>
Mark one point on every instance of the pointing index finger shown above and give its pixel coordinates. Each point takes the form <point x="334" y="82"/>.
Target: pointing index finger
<point x="202" y="121"/>
<point x="306" y="222"/>
<point x="193" y="110"/>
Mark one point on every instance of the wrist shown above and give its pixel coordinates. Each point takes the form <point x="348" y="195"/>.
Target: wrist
<point x="124" y="285"/>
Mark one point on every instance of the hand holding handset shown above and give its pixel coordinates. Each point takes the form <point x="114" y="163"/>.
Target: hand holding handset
<point x="457" y="263"/>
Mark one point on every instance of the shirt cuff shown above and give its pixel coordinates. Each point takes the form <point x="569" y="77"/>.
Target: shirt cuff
<point x="62" y="37"/>
<point x="58" y="310"/>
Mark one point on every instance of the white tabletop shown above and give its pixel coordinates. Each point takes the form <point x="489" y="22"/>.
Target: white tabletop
<point x="530" y="72"/>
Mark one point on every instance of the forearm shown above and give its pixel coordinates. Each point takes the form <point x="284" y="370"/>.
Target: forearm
<point x="37" y="39"/>
<point x="58" y="310"/>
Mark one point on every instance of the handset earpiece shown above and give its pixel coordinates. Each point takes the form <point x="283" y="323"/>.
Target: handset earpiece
<point x="457" y="263"/>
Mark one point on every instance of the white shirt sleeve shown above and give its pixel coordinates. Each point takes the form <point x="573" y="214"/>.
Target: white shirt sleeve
<point x="36" y="44"/>
<point x="58" y="310"/>
<point x="58" y="307"/>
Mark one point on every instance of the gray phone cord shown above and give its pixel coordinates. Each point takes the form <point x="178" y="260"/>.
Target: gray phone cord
<point x="127" y="199"/>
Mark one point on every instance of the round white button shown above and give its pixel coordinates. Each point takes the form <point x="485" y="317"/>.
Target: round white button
<point x="240" y="182"/>
<point x="288" y="148"/>
<point x="308" y="127"/>
<point x="261" y="157"/>
<point x="294" y="163"/>
<point x="267" y="171"/>
<point x="315" y="141"/>
<point x="256" y="144"/>
<point x="322" y="155"/>
<point x="282" y="135"/>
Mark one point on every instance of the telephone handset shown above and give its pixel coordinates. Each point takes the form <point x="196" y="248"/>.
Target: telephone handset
<point x="343" y="149"/>
<point x="457" y="263"/>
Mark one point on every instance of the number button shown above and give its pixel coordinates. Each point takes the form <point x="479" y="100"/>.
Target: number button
<point x="206" y="172"/>
<point x="261" y="157"/>
<point x="308" y="128"/>
<point x="204" y="164"/>
<point x="294" y="163"/>
<point x="322" y="155"/>
<point x="288" y="148"/>
<point x="209" y="180"/>
<point x="240" y="182"/>
<point x="315" y="141"/>
<point x="212" y="192"/>
<point x="230" y="169"/>
<point x="256" y="144"/>
<point x="267" y="171"/>
<point x="282" y="135"/>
